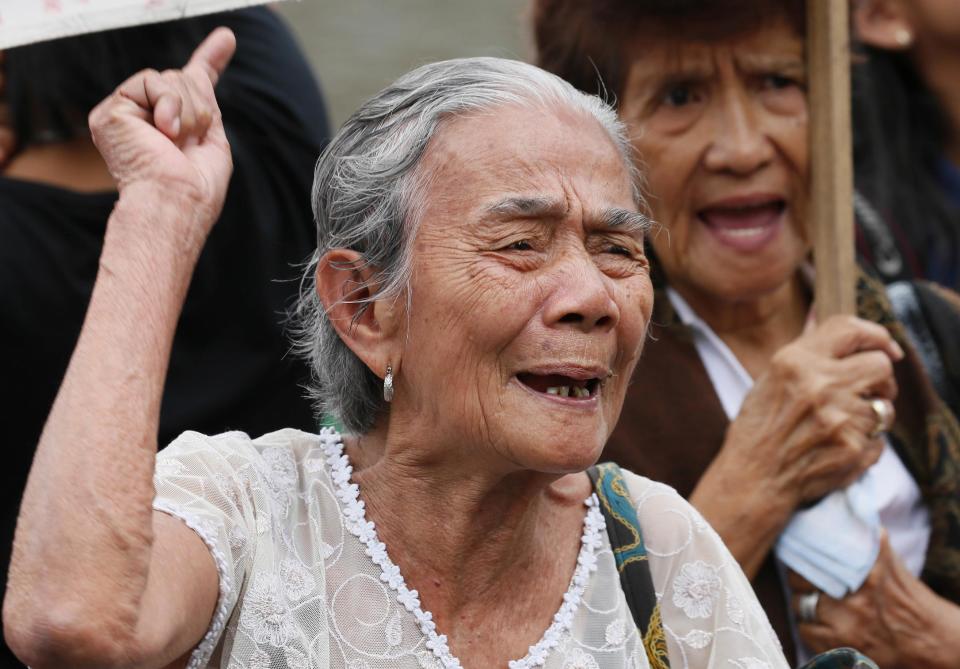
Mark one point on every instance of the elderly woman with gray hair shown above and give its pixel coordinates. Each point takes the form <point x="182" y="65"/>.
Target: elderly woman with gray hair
<point x="479" y="299"/>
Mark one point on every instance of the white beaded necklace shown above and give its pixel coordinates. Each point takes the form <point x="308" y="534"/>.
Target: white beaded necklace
<point x="354" y="511"/>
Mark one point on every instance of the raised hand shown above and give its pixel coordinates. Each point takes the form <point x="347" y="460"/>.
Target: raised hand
<point x="163" y="140"/>
<point x="162" y="133"/>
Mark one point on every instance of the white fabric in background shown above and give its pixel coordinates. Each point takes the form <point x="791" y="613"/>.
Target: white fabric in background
<point x="834" y="544"/>
<point x="29" y="21"/>
<point x="297" y="590"/>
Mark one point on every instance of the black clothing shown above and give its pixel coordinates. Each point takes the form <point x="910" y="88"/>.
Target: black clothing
<point x="230" y="367"/>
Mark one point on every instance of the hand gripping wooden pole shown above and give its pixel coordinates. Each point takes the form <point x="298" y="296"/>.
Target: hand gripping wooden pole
<point x="831" y="160"/>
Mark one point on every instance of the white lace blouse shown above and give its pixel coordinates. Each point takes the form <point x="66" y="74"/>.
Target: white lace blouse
<point x="304" y="581"/>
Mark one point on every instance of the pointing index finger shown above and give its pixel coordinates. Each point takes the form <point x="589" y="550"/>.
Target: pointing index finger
<point x="214" y="53"/>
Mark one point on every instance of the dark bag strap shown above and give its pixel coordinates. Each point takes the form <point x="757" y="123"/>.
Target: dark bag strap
<point x="630" y="554"/>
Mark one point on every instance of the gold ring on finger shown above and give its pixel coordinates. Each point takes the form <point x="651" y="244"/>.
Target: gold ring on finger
<point x="884" y="415"/>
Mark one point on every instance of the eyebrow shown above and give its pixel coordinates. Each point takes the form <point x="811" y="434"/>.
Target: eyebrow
<point x="547" y="208"/>
<point x="528" y="207"/>
<point x="626" y="220"/>
<point x="789" y="64"/>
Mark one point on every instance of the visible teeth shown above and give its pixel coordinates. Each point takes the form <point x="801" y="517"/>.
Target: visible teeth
<point x="568" y="391"/>
<point x="744" y="232"/>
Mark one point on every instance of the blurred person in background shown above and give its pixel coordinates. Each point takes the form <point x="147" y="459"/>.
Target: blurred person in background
<point x="229" y="367"/>
<point x="906" y="107"/>
<point x="778" y="429"/>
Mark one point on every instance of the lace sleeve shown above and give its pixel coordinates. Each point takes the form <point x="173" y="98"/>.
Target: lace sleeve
<point x="711" y="616"/>
<point x="210" y="484"/>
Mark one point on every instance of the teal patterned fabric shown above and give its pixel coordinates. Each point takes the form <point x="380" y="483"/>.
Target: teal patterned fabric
<point x="840" y="658"/>
<point x="630" y="554"/>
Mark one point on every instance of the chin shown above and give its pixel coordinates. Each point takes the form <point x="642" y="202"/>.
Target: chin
<point x="564" y="453"/>
<point x="755" y="282"/>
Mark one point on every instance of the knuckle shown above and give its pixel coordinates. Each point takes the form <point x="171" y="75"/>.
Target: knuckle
<point x="872" y="452"/>
<point x="784" y="363"/>
<point x="841" y="324"/>
<point x="817" y="393"/>
<point x="853" y="450"/>
<point x="826" y="421"/>
<point x="99" y="114"/>
<point x="172" y="78"/>
<point x="882" y="363"/>
<point x="849" y="321"/>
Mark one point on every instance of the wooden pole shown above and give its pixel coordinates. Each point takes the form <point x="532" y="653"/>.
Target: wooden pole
<point x="831" y="160"/>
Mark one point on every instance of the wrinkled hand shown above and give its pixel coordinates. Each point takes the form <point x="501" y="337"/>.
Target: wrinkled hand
<point x="805" y="428"/>
<point x="894" y="618"/>
<point x="8" y="140"/>
<point x="162" y="133"/>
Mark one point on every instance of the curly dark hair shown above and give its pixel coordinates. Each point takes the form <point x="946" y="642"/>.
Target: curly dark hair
<point x="586" y="42"/>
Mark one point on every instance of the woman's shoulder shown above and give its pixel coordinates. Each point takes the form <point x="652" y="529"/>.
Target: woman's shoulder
<point x="287" y="450"/>
<point x="666" y="518"/>
<point x="236" y="441"/>
<point x="708" y="608"/>
<point x="652" y="498"/>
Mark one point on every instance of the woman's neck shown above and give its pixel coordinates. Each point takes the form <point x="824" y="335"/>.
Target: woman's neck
<point x="755" y="329"/>
<point x="75" y="165"/>
<point x="938" y="64"/>
<point x="465" y="536"/>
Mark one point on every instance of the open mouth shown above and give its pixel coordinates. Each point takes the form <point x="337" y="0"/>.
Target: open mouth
<point x="746" y="226"/>
<point x="559" y="385"/>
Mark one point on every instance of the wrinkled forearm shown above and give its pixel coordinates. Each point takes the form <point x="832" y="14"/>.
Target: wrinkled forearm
<point x="748" y="513"/>
<point x="84" y="535"/>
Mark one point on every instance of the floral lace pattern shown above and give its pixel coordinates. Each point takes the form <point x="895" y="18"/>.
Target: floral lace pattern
<point x="354" y="510"/>
<point x="306" y="583"/>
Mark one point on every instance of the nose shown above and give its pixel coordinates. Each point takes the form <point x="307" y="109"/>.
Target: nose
<point x="739" y="146"/>
<point x="582" y="296"/>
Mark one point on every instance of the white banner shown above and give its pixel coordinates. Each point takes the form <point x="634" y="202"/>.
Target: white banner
<point x="29" y="21"/>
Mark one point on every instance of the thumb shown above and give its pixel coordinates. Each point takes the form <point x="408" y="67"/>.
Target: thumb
<point x="887" y="557"/>
<point x="214" y="53"/>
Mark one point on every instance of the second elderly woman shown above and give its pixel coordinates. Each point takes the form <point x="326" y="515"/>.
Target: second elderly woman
<point x="743" y="403"/>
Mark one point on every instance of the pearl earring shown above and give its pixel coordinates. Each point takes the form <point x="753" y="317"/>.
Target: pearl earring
<point x="903" y="37"/>
<point x="388" y="385"/>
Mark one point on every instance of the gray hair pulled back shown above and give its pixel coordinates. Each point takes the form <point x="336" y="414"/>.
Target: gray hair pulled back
<point x="366" y="190"/>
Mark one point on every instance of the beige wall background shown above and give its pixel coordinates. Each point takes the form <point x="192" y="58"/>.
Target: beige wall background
<point x="359" y="46"/>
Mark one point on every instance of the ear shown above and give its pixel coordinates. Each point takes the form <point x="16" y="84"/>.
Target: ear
<point x="372" y="330"/>
<point x="884" y="24"/>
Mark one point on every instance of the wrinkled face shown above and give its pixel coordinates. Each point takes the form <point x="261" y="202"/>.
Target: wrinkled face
<point x="530" y="290"/>
<point x="722" y="131"/>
